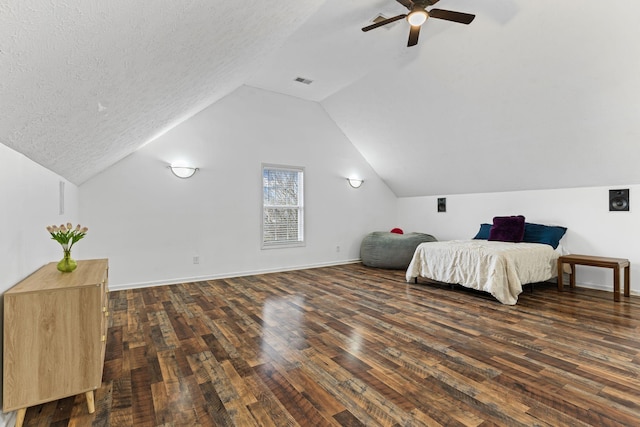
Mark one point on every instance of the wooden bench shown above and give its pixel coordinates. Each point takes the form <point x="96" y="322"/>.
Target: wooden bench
<point x="597" y="261"/>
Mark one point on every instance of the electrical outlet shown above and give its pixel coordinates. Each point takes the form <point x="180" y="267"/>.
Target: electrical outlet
<point x="196" y="260"/>
<point x="338" y="248"/>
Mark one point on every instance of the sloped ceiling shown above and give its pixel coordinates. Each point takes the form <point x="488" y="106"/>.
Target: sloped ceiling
<point x="531" y="95"/>
<point x="83" y="83"/>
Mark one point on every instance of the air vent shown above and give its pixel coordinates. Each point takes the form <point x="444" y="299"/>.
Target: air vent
<point x="303" y="80"/>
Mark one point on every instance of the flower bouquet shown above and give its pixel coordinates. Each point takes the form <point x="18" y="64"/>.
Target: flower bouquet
<point x="67" y="236"/>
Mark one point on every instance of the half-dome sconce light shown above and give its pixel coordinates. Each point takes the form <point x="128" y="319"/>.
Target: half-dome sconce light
<point x="183" y="171"/>
<point x="355" y="182"/>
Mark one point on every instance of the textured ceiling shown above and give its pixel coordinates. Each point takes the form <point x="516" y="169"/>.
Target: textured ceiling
<point x="531" y="95"/>
<point x="83" y="83"/>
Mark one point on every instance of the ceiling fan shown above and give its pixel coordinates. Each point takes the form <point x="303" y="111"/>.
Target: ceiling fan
<point x="418" y="15"/>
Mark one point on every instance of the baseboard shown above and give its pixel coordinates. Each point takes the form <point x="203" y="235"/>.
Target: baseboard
<point x="227" y="275"/>
<point x="597" y="286"/>
<point x="604" y="288"/>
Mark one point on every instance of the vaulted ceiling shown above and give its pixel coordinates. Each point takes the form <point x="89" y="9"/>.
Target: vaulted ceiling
<point x="530" y="95"/>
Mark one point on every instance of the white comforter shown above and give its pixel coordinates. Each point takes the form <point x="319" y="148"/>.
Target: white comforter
<point x="500" y="268"/>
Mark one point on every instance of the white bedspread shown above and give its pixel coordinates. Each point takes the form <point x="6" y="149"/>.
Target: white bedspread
<point x="499" y="268"/>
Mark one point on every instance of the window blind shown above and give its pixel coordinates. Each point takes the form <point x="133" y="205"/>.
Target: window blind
<point x="282" y="206"/>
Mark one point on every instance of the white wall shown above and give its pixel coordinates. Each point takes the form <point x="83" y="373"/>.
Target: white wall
<point x="151" y="224"/>
<point x="30" y="202"/>
<point x="592" y="229"/>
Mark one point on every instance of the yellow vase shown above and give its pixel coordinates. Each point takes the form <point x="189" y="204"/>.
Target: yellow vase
<point x="67" y="264"/>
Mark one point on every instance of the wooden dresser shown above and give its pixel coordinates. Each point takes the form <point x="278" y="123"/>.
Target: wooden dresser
<point x="55" y="335"/>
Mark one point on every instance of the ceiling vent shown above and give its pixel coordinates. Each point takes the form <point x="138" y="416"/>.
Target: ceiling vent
<point x="303" y="80"/>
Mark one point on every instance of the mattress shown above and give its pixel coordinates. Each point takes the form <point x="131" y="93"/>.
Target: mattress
<point x="499" y="268"/>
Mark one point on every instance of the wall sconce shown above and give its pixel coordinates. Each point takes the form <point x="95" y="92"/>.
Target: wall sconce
<point x="183" y="171"/>
<point x="355" y="182"/>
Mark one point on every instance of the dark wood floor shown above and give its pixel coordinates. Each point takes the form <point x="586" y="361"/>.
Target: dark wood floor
<point x="353" y="346"/>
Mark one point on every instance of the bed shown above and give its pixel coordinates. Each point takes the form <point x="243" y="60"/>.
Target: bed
<point x="498" y="267"/>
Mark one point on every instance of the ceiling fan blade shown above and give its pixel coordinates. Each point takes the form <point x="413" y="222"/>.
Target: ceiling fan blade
<point x="413" y="35"/>
<point x="406" y="3"/>
<point x="449" y="15"/>
<point x="385" y="22"/>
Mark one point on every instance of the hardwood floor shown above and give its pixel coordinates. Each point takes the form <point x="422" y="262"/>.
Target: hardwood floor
<point x="354" y="346"/>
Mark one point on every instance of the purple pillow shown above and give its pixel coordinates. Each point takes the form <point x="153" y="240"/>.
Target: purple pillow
<point x="507" y="229"/>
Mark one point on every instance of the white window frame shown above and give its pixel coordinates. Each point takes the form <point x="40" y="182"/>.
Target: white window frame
<point x="299" y="241"/>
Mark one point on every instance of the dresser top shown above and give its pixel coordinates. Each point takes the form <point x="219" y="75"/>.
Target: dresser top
<point x="90" y="272"/>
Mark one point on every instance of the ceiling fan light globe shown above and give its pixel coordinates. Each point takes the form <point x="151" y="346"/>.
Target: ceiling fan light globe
<point x="417" y="17"/>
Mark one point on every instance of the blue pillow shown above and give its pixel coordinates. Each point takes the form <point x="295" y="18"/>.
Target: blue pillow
<point x="547" y="234"/>
<point x="483" y="233"/>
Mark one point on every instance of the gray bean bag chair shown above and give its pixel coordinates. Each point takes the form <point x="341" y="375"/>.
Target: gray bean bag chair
<point x="383" y="249"/>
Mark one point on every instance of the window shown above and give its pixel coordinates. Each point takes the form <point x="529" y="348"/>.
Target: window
<point x="282" y="206"/>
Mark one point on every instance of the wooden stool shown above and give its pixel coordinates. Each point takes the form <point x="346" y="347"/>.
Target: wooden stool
<point x="597" y="261"/>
